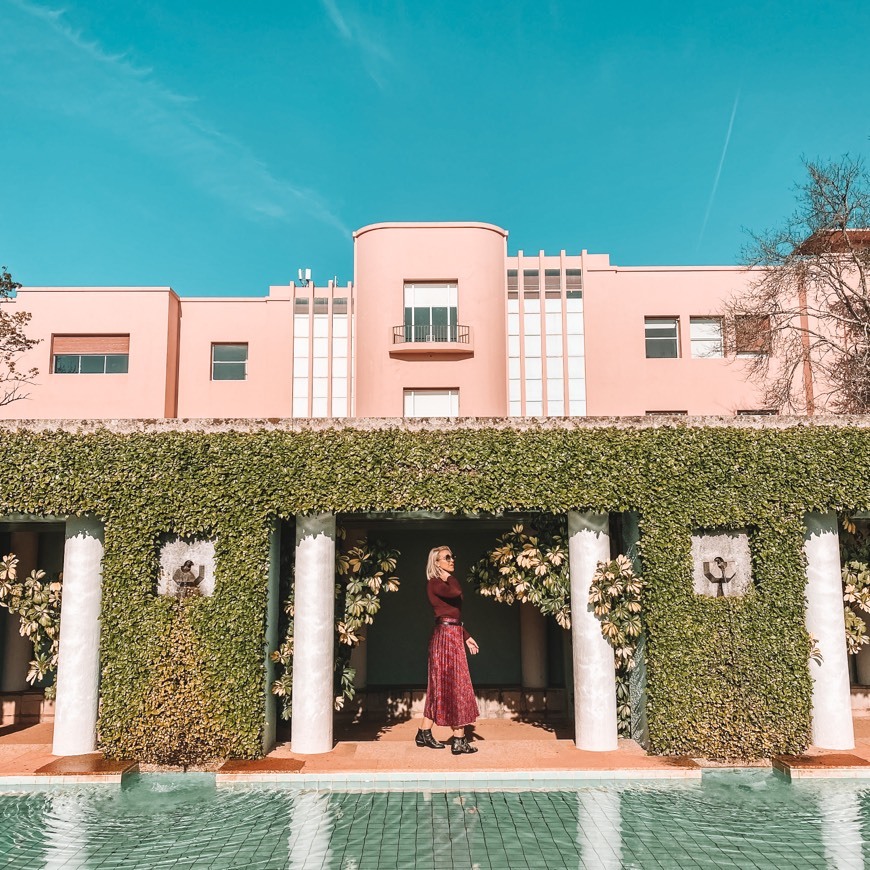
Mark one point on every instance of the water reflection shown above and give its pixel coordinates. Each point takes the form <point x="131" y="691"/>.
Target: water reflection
<point x="66" y="831"/>
<point x="311" y="828"/>
<point x="599" y="829"/>
<point x="731" y="819"/>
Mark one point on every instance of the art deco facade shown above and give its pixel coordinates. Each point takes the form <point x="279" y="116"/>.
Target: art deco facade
<point x="438" y="321"/>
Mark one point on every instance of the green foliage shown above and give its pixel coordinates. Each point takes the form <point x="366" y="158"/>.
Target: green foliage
<point x="855" y="553"/>
<point x="615" y="595"/>
<point x="36" y="602"/>
<point x="178" y="723"/>
<point x="529" y="566"/>
<point x="726" y="677"/>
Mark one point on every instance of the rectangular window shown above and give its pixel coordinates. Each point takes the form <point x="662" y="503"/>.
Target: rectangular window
<point x="751" y="334"/>
<point x="300" y="305"/>
<point x="706" y="336"/>
<point x="573" y="279"/>
<point x="430" y="312"/>
<point x="552" y="279"/>
<point x="431" y="403"/>
<point x="662" y="337"/>
<point x="339" y="305"/>
<point x="229" y="362"/>
<point x="90" y="354"/>
<point x="512" y="280"/>
<point x="531" y="281"/>
<point x="321" y="304"/>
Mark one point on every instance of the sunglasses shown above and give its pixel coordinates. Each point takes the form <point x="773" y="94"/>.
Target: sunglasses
<point x="448" y="558"/>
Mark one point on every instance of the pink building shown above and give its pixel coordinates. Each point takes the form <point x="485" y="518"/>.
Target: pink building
<point x="439" y="321"/>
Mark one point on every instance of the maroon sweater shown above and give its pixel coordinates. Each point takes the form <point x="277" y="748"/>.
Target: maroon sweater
<point x="445" y="596"/>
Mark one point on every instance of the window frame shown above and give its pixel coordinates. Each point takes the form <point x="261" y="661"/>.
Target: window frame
<point x="452" y="394"/>
<point x="651" y="320"/>
<point x="214" y="362"/>
<point x="693" y="342"/>
<point x="758" y="343"/>
<point x="79" y="356"/>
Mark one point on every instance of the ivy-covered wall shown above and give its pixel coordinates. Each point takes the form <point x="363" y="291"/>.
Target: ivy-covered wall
<point x="726" y="676"/>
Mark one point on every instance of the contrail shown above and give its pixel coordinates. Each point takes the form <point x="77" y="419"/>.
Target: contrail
<point x="719" y="170"/>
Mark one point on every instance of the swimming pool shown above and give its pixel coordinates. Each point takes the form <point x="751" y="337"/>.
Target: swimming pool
<point x="748" y="819"/>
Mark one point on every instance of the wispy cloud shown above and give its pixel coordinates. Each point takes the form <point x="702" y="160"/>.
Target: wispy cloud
<point x="718" y="170"/>
<point x="353" y="30"/>
<point x="59" y="68"/>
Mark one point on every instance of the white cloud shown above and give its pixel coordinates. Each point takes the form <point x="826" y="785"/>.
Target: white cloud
<point x="355" y="31"/>
<point x="56" y="67"/>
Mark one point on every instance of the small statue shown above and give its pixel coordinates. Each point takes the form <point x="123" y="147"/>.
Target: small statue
<point x="186" y="582"/>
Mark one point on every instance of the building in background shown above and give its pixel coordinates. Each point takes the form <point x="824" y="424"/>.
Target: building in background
<point x="438" y="321"/>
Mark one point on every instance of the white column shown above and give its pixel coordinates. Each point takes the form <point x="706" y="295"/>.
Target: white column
<point x="18" y="650"/>
<point x="313" y="634"/>
<point x="78" y="668"/>
<point x="832" y="703"/>
<point x="273" y="606"/>
<point x="594" y="668"/>
<point x="533" y="647"/>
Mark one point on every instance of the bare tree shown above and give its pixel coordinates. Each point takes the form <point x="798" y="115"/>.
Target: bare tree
<point x="13" y="343"/>
<point x="803" y="323"/>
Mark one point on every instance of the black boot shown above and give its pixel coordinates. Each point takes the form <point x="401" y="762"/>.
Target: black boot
<point x="461" y="746"/>
<point x="425" y="738"/>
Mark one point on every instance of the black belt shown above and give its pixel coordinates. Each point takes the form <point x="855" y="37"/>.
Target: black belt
<point x="447" y="620"/>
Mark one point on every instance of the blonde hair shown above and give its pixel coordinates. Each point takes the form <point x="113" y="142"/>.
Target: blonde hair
<point x="431" y="567"/>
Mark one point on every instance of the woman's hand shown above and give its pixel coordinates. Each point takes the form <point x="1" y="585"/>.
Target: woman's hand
<point x="473" y="648"/>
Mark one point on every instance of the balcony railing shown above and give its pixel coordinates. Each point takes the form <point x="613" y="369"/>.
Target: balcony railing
<point x="452" y="333"/>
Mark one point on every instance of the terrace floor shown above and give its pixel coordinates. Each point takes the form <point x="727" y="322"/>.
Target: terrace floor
<point x="368" y="752"/>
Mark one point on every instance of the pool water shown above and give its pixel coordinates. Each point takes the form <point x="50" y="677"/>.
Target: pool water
<point x="729" y="819"/>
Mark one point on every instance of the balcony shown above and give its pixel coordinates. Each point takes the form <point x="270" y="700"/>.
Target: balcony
<point x="450" y="340"/>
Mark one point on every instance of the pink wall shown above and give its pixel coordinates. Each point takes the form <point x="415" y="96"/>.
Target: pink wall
<point x="470" y="254"/>
<point x="144" y="313"/>
<point x="620" y="380"/>
<point x="266" y="326"/>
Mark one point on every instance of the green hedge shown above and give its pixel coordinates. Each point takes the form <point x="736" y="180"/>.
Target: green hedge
<point x="726" y="676"/>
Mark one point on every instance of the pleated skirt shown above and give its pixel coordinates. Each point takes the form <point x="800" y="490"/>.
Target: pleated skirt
<point x="449" y="696"/>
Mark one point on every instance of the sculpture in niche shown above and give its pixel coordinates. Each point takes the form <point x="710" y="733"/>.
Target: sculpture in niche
<point x="186" y="582"/>
<point x="187" y="567"/>
<point x="722" y="563"/>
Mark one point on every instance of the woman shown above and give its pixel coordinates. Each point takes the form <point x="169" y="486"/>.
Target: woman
<point x="449" y="696"/>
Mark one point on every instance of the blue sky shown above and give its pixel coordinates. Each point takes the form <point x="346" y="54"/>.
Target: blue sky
<point x="218" y="146"/>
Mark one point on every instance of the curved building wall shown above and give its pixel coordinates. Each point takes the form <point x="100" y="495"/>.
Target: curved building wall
<point x="390" y="256"/>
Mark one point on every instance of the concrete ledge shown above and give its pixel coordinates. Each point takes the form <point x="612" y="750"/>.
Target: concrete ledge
<point x="834" y="765"/>
<point x="521" y="780"/>
<point x="425" y="424"/>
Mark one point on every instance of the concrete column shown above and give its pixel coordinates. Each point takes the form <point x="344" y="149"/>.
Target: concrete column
<point x="832" y="703"/>
<point x="78" y="668"/>
<point x="18" y="650"/>
<point x="533" y="647"/>
<point x="594" y="667"/>
<point x="273" y="605"/>
<point x="313" y="634"/>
